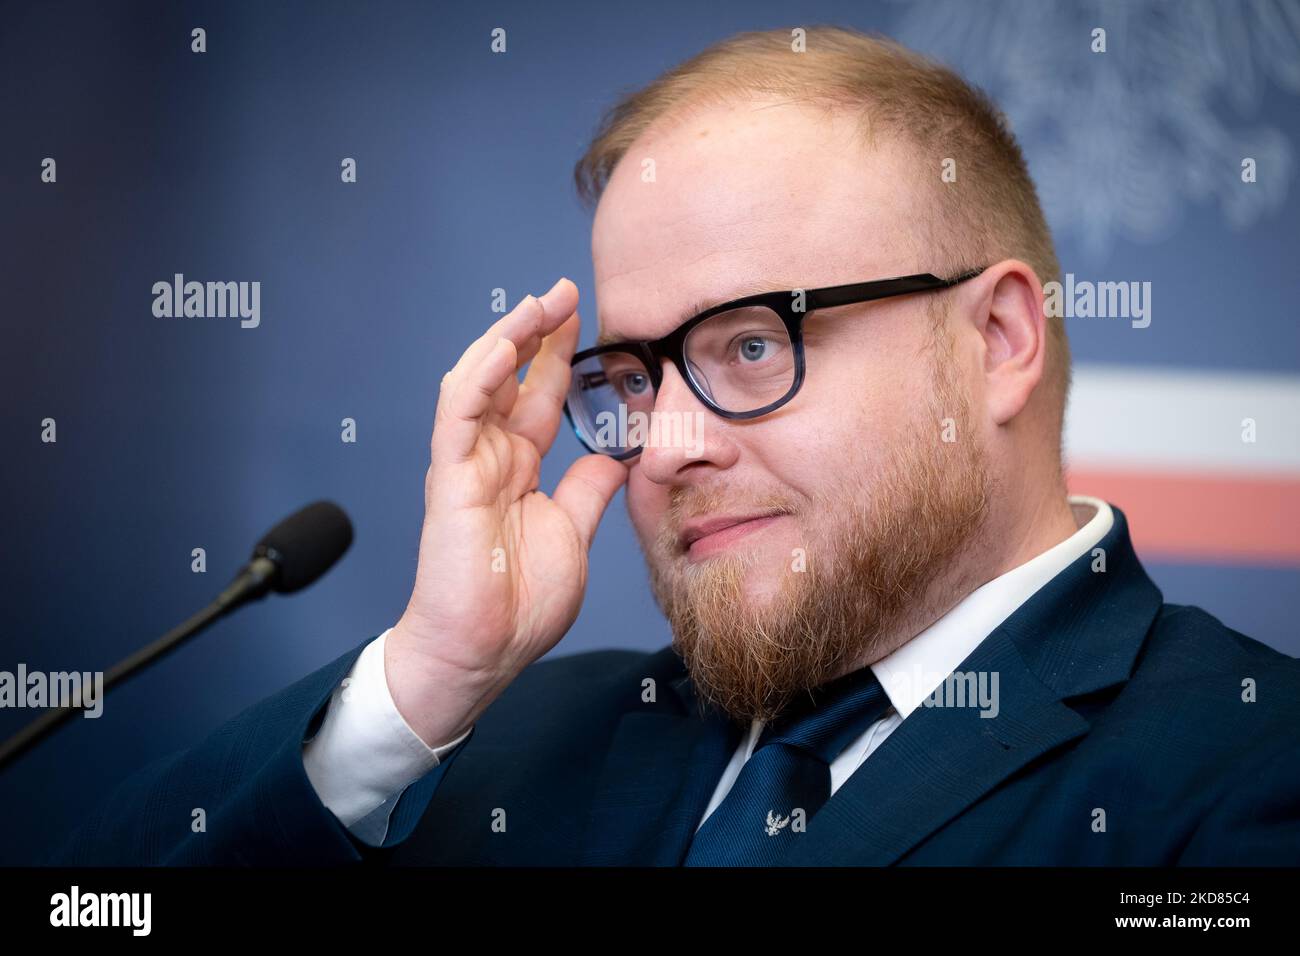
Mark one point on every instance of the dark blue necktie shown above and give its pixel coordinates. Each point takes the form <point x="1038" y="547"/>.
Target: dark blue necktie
<point x="757" y="823"/>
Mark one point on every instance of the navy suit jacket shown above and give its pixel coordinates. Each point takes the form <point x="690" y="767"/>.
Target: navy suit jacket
<point x="1123" y="737"/>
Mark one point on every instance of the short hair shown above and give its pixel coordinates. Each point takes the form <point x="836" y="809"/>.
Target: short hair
<point x="988" y="213"/>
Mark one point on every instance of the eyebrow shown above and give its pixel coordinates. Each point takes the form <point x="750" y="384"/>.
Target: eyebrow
<point x="753" y="287"/>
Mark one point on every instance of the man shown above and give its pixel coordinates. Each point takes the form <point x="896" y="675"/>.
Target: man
<point x="895" y="638"/>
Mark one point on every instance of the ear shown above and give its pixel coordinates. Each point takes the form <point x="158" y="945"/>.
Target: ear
<point x="1008" y="314"/>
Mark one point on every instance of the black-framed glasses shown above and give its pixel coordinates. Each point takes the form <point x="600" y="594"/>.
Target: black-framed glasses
<point x="741" y="359"/>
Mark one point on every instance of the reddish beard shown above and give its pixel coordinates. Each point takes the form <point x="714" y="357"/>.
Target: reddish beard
<point x="873" y="557"/>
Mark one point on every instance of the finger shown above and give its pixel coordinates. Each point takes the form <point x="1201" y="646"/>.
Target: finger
<point x="559" y="305"/>
<point x="587" y="489"/>
<point x="540" y="405"/>
<point x="531" y="321"/>
<point x="560" y="302"/>
<point x="473" y="358"/>
<point x="518" y="325"/>
<point x="455" y="436"/>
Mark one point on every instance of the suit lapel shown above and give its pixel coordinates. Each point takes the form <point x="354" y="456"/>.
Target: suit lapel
<point x="1078" y="634"/>
<point x="661" y="769"/>
<point x="935" y="764"/>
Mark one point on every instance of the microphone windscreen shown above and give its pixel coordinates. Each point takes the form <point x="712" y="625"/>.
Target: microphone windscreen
<point x="306" y="544"/>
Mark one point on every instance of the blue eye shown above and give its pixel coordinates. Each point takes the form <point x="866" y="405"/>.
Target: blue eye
<point x="753" y="349"/>
<point x="634" y="383"/>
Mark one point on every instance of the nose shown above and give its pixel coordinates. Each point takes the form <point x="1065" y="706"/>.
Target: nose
<point x="688" y="443"/>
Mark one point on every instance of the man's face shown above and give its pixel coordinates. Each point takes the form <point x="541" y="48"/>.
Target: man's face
<point x="860" y="503"/>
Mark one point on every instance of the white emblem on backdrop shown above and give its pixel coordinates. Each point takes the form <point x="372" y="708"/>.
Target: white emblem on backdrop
<point x="1123" y="143"/>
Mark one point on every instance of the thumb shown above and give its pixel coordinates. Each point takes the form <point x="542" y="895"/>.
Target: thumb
<point x="586" y="489"/>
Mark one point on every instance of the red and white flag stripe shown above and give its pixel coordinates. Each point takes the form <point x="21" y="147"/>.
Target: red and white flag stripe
<point x="1205" y="464"/>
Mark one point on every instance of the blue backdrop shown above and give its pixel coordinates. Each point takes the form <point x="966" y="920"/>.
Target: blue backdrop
<point x="177" y="434"/>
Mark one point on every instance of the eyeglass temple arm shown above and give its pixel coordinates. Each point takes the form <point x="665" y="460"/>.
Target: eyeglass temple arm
<point x="886" y="288"/>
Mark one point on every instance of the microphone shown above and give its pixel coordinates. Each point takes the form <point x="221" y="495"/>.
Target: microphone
<point x="292" y="555"/>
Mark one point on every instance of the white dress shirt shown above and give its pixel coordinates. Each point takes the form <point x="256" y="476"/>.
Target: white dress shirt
<point x="365" y="754"/>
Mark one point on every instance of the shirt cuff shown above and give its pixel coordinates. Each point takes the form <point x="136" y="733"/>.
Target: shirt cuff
<point x="365" y="753"/>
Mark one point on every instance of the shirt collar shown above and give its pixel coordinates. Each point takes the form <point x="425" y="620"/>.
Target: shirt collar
<point x="910" y="674"/>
